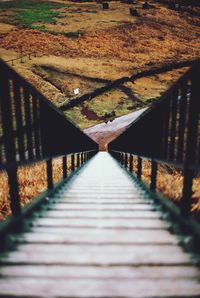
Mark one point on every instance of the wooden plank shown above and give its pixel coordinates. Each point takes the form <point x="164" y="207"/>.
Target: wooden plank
<point x="95" y="207"/>
<point x="95" y="201"/>
<point x="102" y="214"/>
<point x="97" y="192"/>
<point x="97" y="236"/>
<point x="109" y="255"/>
<point x="106" y="223"/>
<point x="98" y="196"/>
<point x="42" y="287"/>
<point x="101" y="272"/>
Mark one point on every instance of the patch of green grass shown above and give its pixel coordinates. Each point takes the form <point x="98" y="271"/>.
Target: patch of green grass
<point x="39" y="27"/>
<point x="78" y="118"/>
<point x="28" y="17"/>
<point x="25" y="4"/>
<point x="30" y="12"/>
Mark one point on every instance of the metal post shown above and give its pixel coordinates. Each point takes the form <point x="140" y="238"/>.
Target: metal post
<point x="82" y="161"/>
<point x="131" y="163"/>
<point x="72" y="163"/>
<point x="14" y="191"/>
<point x="122" y="159"/>
<point x="139" y="168"/>
<point x="154" y="168"/>
<point x="64" y="166"/>
<point x="126" y="160"/>
<point x="78" y="160"/>
<point x="187" y="192"/>
<point x="85" y="156"/>
<point x="49" y="174"/>
<point x="9" y="142"/>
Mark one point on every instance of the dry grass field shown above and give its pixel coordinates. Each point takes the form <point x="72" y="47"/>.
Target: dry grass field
<point x="85" y="47"/>
<point x="80" y="45"/>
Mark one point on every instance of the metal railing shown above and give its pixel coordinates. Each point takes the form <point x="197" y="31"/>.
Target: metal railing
<point x="31" y="130"/>
<point x="167" y="133"/>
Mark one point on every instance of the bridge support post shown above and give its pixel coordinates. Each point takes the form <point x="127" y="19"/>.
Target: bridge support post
<point x="131" y="163"/>
<point x="139" y="168"/>
<point x="72" y="163"/>
<point x="78" y="160"/>
<point x="154" y="168"/>
<point x="187" y="192"/>
<point x="10" y="148"/>
<point x="81" y="158"/>
<point x="64" y="166"/>
<point x="49" y="174"/>
<point x="126" y="160"/>
<point x="14" y="191"/>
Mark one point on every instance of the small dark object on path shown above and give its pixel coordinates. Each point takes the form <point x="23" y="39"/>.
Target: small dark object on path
<point x="105" y="5"/>
<point x="134" y="12"/>
<point x="109" y="116"/>
<point x="145" y="5"/>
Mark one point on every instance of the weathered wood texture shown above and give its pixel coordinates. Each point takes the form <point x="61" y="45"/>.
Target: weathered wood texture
<point x="100" y="237"/>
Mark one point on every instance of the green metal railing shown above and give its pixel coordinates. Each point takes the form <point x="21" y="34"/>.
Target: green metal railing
<point x="167" y="133"/>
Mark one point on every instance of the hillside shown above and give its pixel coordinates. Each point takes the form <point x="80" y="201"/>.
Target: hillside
<point x="80" y="45"/>
<point x="83" y="46"/>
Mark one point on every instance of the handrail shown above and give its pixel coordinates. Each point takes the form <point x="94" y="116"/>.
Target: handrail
<point x="168" y="132"/>
<point x="32" y="129"/>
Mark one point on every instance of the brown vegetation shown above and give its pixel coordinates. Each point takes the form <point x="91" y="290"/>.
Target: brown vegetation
<point x="32" y="181"/>
<point x="111" y="44"/>
<point x="170" y="183"/>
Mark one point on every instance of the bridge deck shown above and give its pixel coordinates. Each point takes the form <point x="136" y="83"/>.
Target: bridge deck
<point x="101" y="238"/>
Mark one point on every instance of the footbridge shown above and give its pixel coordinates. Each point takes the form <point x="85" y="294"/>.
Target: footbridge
<point x="101" y="231"/>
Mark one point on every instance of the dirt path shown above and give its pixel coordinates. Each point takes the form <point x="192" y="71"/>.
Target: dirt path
<point x="103" y="133"/>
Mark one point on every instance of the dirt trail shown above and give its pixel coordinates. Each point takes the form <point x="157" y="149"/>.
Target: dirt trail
<point x="103" y="133"/>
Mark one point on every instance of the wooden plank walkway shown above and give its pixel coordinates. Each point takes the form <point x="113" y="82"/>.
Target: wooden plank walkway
<point x="101" y="238"/>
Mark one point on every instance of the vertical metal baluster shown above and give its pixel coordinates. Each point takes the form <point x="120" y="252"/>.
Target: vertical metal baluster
<point x="126" y="160"/>
<point x="85" y="157"/>
<point x="182" y="122"/>
<point x="19" y="120"/>
<point x="118" y="154"/>
<point x="72" y="163"/>
<point x="191" y="143"/>
<point x="166" y="130"/>
<point x="9" y="141"/>
<point x="173" y="126"/>
<point x="64" y="166"/>
<point x="78" y="160"/>
<point x="122" y="159"/>
<point x="28" y="123"/>
<point x="36" y="127"/>
<point x="49" y="174"/>
<point x="131" y="163"/>
<point x="81" y="158"/>
<point x="154" y="168"/>
<point x="139" y="168"/>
